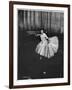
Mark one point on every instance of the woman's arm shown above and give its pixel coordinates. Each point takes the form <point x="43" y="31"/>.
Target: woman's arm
<point x="37" y="34"/>
<point x="46" y="36"/>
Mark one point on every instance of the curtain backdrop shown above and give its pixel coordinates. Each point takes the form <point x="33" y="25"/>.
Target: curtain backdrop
<point x="37" y="20"/>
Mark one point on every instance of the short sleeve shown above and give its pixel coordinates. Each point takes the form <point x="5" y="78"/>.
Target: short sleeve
<point x="45" y="36"/>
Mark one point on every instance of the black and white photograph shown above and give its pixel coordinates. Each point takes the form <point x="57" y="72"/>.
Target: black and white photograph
<point x="40" y="44"/>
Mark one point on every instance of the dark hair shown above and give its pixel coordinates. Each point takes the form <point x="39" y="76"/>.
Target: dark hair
<point x="42" y="30"/>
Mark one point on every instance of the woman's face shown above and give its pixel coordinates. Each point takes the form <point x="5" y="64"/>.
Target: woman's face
<point x="41" y="31"/>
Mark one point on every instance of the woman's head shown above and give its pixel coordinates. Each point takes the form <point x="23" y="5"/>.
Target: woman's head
<point x="42" y="31"/>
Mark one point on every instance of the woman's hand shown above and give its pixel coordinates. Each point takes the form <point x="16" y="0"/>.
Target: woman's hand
<point x="48" y="40"/>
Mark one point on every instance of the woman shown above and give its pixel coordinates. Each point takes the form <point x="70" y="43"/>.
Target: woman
<point x="48" y="46"/>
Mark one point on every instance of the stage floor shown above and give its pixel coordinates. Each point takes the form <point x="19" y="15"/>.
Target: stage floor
<point x="29" y="64"/>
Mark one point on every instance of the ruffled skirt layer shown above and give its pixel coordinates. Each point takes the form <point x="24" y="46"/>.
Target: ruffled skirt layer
<point x="48" y="48"/>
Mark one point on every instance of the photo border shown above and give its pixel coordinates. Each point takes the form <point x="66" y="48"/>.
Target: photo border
<point x="11" y="3"/>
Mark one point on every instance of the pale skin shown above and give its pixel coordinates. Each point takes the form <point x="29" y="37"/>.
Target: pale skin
<point x="42" y="33"/>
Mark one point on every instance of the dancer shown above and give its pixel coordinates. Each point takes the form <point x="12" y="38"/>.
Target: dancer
<point x="47" y="46"/>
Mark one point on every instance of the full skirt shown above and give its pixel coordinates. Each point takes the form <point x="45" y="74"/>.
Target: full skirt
<point x="48" y="48"/>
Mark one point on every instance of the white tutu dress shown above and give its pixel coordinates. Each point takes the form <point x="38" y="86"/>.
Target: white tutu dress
<point x="48" y="46"/>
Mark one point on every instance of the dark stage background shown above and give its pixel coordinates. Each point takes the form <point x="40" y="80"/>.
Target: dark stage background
<point x="29" y="63"/>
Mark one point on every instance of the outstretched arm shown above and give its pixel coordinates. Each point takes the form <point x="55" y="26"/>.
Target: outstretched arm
<point x="37" y="34"/>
